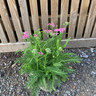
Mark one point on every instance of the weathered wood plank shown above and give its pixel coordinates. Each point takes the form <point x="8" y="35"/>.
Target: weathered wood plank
<point x="44" y="16"/>
<point x="6" y="21"/>
<point x="2" y="34"/>
<point x="54" y="11"/>
<point x="90" y="20"/>
<point x="64" y="11"/>
<point x="24" y="14"/>
<point x="73" y="43"/>
<point x="79" y="43"/>
<point x="82" y="18"/>
<point x="34" y="13"/>
<point x="73" y="17"/>
<point x="94" y="31"/>
<point x="15" y="19"/>
<point x="64" y="14"/>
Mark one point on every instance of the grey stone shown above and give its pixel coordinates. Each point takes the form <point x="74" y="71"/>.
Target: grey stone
<point x="93" y="54"/>
<point x="47" y="94"/>
<point x="65" y="95"/>
<point x="82" y="64"/>
<point x="68" y="92"/>
<point x="73" y="93"/>
<point x="93" y="73"/>
<point x="73" y="75"/>
<point x="2" y="74"/>
<point x="92" y="50"/>
<point x="84" y="55"/>
<point x="5" y="57"/>
<point x="94" y="95"/>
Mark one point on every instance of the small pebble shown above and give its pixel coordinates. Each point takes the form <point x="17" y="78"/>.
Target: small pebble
<point x="92" y="50"/>
<point x="93" y="54"/>
<point x="84" y="55"/>
<point x="94" y="95"/>
<point x="65" y="95"/>
<point x="93" y="73"/>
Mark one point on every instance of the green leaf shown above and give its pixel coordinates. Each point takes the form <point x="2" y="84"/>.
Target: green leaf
<point x="44" y="82"/>
<point x="58" y="82"/>
<point x="56" y="71"/>
<point x="58" y="64"/>
<point x="53" y="82"/>
<point x="66" y="43"/>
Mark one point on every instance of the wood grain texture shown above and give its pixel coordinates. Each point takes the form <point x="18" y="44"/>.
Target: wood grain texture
<point x="91" y="18"/>
<point x="94" y="31"/>
<point x="64" y="11"/>
<point x="34" y="13"/>
<point x="2" y="34"/>
<point x="24" y="14"/>
<point x="44" y="14"/>
<point x="54" y="11"/>
<point x="15" y="19"/>
<point x="6" y="21"/>
<point x="73" y="17"/>
<point x="73" y="43"/>
<point x="82" y="18"/>
<point x="64" y="14"/>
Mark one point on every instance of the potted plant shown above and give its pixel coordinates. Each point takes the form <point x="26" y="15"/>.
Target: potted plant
<point x="45" y="61"/>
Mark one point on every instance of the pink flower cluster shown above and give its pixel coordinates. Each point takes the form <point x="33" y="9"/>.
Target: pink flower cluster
<point x="60" y="29"/>
<point x="26" y="35"/>
<point x="41" y="53"/>
<point x="35" y="35"/>
<point x="55" y="30"/>
<point x="52" y="24"/>
<point x="49" y="31"/>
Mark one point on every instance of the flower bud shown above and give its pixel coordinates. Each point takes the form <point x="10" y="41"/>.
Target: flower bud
<point x="48" y="50"/>
<point x="60" y="48"/>
<point x="34" y="51"/>
<point x="67" y="23"/>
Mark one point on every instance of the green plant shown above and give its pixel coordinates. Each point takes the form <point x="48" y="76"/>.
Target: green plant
<point x="44" y="61"/>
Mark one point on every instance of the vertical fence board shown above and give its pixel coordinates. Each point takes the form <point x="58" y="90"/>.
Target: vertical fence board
<point x="2" y="35"/>
<point x="24" y="14"/>
<point x="6" y="21"/>
<point x="34" y="12"/>
<point x="73" y="17"/>
<point x="94" y="31"/>
<point x="15" y="18"/>
<point x="54" y="11"/>
<point x="91" y="19"/>
<point x="82" y="18"/>
<point x="64" y="13"/>
<point x="44" y="15"/>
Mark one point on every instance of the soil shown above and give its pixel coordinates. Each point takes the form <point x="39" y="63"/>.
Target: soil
<point x="81" y="83"/>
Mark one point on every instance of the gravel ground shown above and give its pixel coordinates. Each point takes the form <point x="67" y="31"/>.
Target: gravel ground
<point x="81" y="83"/>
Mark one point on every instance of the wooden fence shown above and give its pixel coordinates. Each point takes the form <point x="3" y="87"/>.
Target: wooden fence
<point x="17" y="16"/>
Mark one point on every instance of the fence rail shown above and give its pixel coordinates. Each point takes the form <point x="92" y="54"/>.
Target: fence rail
<point x="17" y="16"/>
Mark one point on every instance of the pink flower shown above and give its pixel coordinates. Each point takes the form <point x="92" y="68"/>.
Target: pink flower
<point x="49" y="31"/>
<point x="52" y="24"/>
<point x="35" y="35"/>
<point x="56" y="30"/>
<point x="26" y="35"/>
<point x="41" y="53"/>
<point x="57" y="34"/>
<point x="62" y="30"/>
